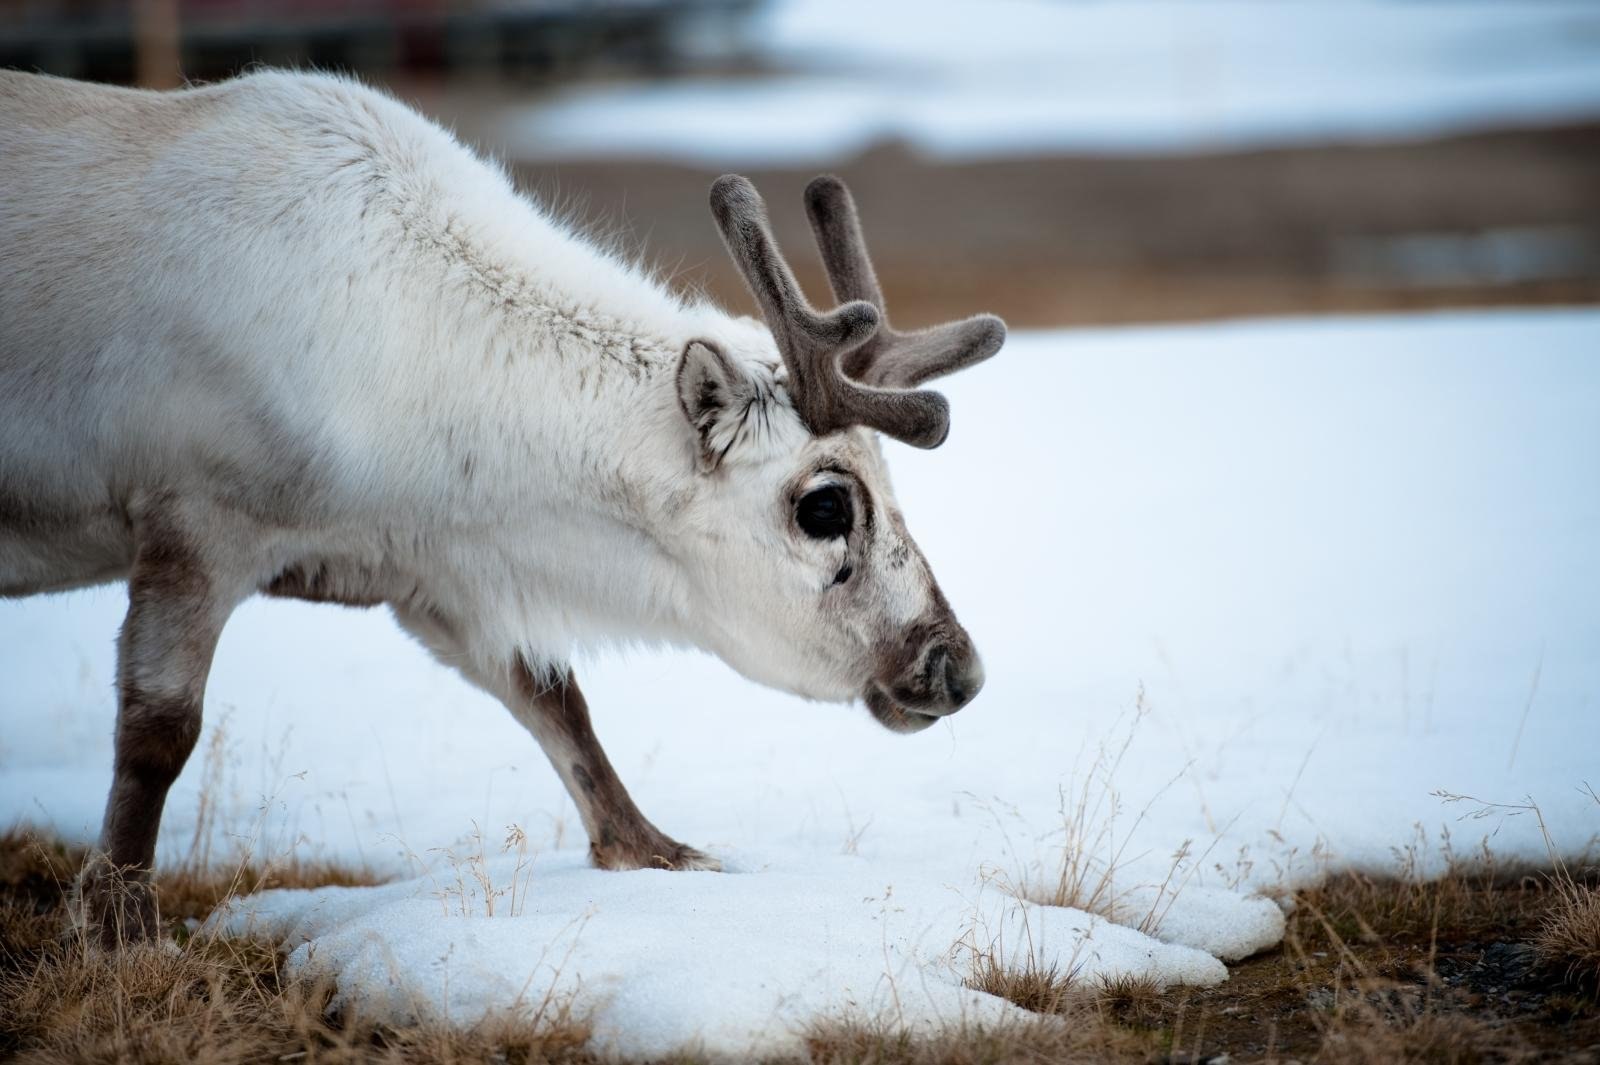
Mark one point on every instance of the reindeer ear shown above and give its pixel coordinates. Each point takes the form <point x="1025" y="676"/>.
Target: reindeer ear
<point x="713" y="394"/>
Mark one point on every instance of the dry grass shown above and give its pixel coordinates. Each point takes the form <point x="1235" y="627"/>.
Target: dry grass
<point x="1046" y="1039"/>
<point x="1374" y="969"/>
<point x="1050" y="990"/>
<point x="204" y="999"/>
<point x="1091" y="845"/>
<point x="224" y="1002"/>
<point x="1398" y="968"/>
<point x="1131" y="1002"/>
<point x="1568" y="940"/>
<point x="1380" y="1000"/>
<point x="1041" y="990"/>
<point x="1366" y="1037"/>
<point x="1448" y="957"/>
<point x="1092" y="837"/>
<point x="1452" y="896"/>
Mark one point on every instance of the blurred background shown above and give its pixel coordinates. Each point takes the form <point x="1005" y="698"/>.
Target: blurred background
<point x="1055" y="161"/>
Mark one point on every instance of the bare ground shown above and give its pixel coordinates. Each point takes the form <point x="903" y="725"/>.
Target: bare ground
<point x="1500" y="218"/>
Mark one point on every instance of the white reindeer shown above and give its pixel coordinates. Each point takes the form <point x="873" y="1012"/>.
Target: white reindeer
<point x="284" y="335"/>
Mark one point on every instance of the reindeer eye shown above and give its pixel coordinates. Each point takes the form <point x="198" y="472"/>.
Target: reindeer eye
<point x="825" y="514"/>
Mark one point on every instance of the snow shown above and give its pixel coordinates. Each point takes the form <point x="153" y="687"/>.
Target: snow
<point x="1349" y="562"/>
<point x="655" y="958"/>
<point x="965" y="80"/>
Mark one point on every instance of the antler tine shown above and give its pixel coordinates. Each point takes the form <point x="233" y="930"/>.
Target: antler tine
<point x="837" y="227"/>
<point x="890" y="359"/>
<point x="812" y="343"/>
<point x="741" y="217"/>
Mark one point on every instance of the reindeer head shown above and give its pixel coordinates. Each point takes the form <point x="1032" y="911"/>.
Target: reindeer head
<point x="811" y="582"/>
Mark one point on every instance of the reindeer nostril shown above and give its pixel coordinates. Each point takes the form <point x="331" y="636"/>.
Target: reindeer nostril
<point x="948" y="677"/>
<point x="935" y="665"/>
<point x="961" y="684"/>
<point x="954" y="686"/>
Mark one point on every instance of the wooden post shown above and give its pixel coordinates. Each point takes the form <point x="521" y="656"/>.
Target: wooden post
<point x="157" y="62"/>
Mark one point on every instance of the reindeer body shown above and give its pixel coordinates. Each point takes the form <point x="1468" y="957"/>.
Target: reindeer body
<point x="284" y="335"/>
<point x="406" y="365"/>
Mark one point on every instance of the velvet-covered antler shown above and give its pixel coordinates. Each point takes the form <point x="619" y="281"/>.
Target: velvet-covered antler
<point x="817" y="346"/>
<point x="890" y="358"/>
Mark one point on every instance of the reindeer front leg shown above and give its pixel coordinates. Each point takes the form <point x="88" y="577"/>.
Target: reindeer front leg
<point x="620" y="837"/>
<point x="553" y="709"/>
<point x="178" y="602"/>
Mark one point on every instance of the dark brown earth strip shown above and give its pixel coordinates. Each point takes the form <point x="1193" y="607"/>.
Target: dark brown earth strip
<point x="1090" y="240"/>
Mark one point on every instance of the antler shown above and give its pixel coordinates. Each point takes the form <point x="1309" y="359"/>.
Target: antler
<point x="876" y="393"/>
<point x="890" y="359"/>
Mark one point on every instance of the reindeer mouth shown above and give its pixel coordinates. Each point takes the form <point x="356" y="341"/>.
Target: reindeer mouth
<point x="894" y="717"/>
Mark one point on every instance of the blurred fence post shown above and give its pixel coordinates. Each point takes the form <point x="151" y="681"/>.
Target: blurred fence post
<point x="155" y="41"/>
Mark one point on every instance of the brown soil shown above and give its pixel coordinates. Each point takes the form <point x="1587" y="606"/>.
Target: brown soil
<point x="1390" y="970"/>
<point x="1079" y="240"/>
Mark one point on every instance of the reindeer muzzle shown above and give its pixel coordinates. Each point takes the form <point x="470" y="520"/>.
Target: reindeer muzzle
<point x="939" y="678"/>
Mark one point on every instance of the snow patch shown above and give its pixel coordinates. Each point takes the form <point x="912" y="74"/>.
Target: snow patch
<point x="733" y="964"/>
<point x="1214" y="920"/>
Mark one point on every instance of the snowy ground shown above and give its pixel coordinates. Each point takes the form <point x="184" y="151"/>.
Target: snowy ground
<point x="1350" y="561"/>
<point x="1007" y="77"/>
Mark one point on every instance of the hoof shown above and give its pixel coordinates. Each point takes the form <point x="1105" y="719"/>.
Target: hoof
<point x="115" y="906"/>
<point x="690" y="859"/>
<point x="650" y="852"/>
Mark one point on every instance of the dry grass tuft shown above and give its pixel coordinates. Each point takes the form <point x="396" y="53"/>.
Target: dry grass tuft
<point x="222" y="1002"/>
<point x="37" y="866"/>
<point x="1474" y="897"/>
<point x="1033" y="1041"/>
<point x="152" y="1002"/>
<point x="1131" y="1001"/>
<point x="1364" y="1037"/>
<point x="1091" y="844"/>
<point x="1094" y="833"/>
<point x="204" y="999"/>
<point x="1041" y="990"/>
<point x="1568" y="940"/>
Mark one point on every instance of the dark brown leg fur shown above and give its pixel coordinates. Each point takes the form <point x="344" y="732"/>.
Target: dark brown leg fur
<point x="553" y="709"/>
<point x="164" y="657"/>
<point x="620" y="837"/>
